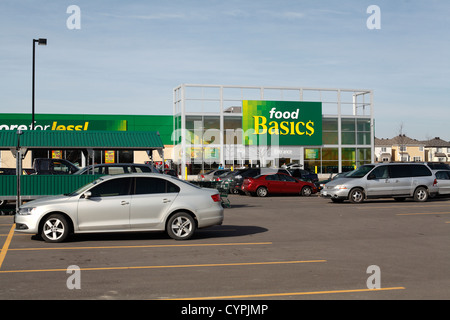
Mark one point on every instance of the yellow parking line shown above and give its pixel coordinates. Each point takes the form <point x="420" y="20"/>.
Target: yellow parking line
<point x="170" y="266"/>
<point x="412" y="214"/>
<point x="6" y="245"/>
<point x="146" y="246"/>
<point x="401" y="206"/>
<point x="290" y="294"/>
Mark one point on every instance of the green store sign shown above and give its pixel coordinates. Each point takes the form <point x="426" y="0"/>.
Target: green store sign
<point x="63" y="124"/>
<point x="286" y="123"/>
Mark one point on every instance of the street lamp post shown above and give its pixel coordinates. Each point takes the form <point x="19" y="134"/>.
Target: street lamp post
<point x="18" y="169"/>
<point x="41" y="42"/>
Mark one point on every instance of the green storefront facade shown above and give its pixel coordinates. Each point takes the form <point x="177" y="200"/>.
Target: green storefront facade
<point x="163" y="124"/>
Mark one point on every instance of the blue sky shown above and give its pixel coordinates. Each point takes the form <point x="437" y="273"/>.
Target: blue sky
<point x="129" y="55"/>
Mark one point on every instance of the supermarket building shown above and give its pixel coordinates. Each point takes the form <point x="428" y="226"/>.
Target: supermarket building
<point x="325" y="130"/>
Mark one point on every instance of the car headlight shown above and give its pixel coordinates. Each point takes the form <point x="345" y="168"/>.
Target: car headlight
<point x="26" y="211"/>
<point x="341" y="187"/>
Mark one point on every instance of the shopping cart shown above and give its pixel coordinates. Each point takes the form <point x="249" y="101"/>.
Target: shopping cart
<point x="224" y="189"/>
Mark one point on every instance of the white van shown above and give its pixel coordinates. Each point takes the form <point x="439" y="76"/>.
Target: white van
<point x="384" y="180"/>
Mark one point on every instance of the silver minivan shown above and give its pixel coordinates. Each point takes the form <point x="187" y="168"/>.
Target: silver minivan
<point x="383" y="180"/>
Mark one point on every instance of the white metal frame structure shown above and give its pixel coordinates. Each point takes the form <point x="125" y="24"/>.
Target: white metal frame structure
<point x="226" y="100"/>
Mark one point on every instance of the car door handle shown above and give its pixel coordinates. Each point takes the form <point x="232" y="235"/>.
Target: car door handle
<point x="123" y="203"/>
<point x="166" y="200"/>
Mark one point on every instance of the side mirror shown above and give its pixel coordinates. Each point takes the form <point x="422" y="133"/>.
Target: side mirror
<point x="371" y="176"/>
<point x="87" y="194"/>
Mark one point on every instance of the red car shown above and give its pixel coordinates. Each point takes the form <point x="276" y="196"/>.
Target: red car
<point x="277" y="183"/>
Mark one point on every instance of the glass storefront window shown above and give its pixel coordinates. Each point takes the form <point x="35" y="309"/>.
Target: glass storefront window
<point x="330" y="124"/>
<point x="194" y="128"/>
<point x="363" y="134"/>
<point x="348" y="125"/>
<point x="330" y="154"/>
<point x="348" y="138"/>
<point x="330" y="137"/>
<point x="330" y="166"/>
<point x="348" y="131"/>
<point x="330" y="160"/>
<point x="363" y="138"/>
<point x="364" y="156"/>
<point x="312" y="159"/>
<point x="363" y="125"/>
<point x="232" y="130"/>
<point x="330" y="131"/>
<point x="348" y="159"/>
<point x="176" y="136"/>
<point x="211" y="133"/>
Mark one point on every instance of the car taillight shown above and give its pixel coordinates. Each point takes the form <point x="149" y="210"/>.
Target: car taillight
<point x="216" y="197"/>
<point x="434" y="182"/>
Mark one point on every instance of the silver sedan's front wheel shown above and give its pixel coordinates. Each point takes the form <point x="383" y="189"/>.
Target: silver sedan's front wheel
<point x="55" y="228"/>
<point x="181" y="226"/>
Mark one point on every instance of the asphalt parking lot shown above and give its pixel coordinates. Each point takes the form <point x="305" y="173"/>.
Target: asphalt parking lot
<point x="275" y="248"/>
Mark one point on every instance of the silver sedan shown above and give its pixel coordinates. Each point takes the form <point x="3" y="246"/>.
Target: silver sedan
<point x="123" y="203"/>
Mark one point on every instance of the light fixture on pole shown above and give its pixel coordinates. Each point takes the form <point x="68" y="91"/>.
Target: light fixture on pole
<point x="41" y="42"/>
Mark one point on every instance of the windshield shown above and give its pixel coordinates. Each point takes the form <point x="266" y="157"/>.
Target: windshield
<point x="360" y="172"/>
<point x="85" y="187"/>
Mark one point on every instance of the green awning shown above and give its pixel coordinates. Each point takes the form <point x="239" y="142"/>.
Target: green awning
<point x="135" y="140"/>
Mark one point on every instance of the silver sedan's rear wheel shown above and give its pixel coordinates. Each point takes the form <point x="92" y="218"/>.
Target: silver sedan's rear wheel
<point x="181" y="226"/>
<point x="55" y="228"/>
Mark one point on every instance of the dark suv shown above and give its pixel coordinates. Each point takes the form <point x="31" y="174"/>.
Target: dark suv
<point x="304" y="175"/>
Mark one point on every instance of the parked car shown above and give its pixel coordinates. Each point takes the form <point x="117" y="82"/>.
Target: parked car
<point x="320" y="184"/>
<point x="303" y="174"/>
<point x="381" y="180"/>
<point x="45" y="166"/>
<point x="266" y="184"/>
<point x="238" y="179"/>
<point x="211" y="175"/>
<point x="443" y="182"/>
<point x="170" y="172"/>
<point x="117" y="168"/>
<point x="123" y="203"/>
<point x="227" y="180"/>
<point x="438" y="165"/>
